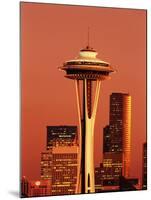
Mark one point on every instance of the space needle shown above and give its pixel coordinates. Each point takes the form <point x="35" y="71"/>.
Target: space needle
<point x="90" y="71"/>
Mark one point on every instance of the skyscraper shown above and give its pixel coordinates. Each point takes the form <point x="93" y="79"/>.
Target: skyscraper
<point x="117" y="136"/>
<point x="61" y="136"/>
<point x="144" y="167"/>
<point x="116" y="141"/>
<point x="87" y="69"/>
<point x="64" y="170"/>
<point x="59" y="161"/>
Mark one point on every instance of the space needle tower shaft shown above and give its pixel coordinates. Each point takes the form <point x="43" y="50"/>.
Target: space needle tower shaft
<point x="90" y="71"/>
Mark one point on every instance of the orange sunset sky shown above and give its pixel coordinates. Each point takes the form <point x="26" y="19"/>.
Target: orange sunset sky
<point x="52" y="34"/>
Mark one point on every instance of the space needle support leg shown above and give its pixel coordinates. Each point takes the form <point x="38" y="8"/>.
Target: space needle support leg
<point x="78" y="183"/>
<point x="97" y="92"/>
<point x="90" y="115"/>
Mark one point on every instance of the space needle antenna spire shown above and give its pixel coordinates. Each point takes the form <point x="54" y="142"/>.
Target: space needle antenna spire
<point x="88" y="35"/>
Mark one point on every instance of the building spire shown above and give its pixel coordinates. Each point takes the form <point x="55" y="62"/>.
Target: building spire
<point x="88" y="35"/>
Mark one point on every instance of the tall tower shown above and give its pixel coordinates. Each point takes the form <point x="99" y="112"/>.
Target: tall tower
<point x="87" y="68"/>
<point x="117" y="136"/>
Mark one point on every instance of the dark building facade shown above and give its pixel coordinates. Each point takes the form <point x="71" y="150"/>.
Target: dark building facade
<point x="127" y="184"/>
<point x="106" y="139"/>
<point x="117" y="135"/>
<point x="144" y="167"/>
<point x="119" y="120"/>
<point x="114" y="131"/>
<point x="61" y="136"/>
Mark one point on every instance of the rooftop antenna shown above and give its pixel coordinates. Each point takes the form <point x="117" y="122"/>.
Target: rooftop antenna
<point x="88" y="36"/>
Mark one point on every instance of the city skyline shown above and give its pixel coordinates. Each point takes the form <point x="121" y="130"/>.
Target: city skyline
<point x="61" y="155"/>
<point x="46" y="104"/>
<point x="64" y="138"/>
